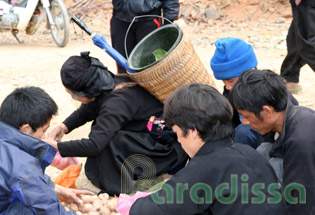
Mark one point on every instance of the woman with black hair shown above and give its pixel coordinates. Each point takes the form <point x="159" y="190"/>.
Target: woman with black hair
<point x="119" y="148"/>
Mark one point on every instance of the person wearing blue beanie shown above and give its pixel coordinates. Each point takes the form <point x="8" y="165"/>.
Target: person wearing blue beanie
<point x="232" y="57"/>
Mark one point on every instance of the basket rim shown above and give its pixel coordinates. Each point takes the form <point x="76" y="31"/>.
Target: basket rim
<point x="149" y="70"/>
<point x="173" y="47"/>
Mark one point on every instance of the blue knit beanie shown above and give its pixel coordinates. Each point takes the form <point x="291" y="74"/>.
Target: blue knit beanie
<point x="231" y="58"/>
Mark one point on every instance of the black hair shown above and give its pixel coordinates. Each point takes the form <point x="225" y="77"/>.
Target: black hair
<point x="86" y="76"/>
<point x="200" y="107"/>
<point x="256" y="88"/>
<point x="27" y="105"/>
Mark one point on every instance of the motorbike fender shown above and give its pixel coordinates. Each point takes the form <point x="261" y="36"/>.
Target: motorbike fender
<point x="35" y="21"/>
<point x="25" y="14"/>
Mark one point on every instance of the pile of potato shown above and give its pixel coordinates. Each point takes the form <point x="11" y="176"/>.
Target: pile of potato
<point x="95" y="205"/>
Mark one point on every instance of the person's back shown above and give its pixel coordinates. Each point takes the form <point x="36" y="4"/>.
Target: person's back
<point x="126" y="10"/>
<point x="23" y="162"/>
<point x="148" y="17"/>
<point x="120" y="111"/>
<point x="235" y="179"/>
<point x="222" y="177"/>
<point x="25" y="115"/>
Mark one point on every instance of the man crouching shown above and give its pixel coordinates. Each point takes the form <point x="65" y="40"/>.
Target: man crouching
<point x="222" y="177"/>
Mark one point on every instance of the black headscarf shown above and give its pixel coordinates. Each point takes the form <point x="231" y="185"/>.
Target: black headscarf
<point x="86" y="74"/>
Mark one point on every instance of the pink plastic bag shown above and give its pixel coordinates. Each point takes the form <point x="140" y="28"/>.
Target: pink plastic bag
<point x="126" y="201"/>
<point x="61" y="163"/>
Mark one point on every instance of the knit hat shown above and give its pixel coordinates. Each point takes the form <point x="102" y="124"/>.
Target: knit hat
<point x="86" y="74"/>
<point x="232" y="57"/>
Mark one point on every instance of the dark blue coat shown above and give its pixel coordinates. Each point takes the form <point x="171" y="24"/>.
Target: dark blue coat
<point x="24" y="187"/>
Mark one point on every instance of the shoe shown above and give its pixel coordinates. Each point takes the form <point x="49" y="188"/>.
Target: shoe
<point x="294" y="88"/>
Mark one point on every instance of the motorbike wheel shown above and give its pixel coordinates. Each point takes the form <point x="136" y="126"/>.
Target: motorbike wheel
<point x="60" y="31"/>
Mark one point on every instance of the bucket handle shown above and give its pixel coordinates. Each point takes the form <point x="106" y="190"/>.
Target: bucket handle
<point x="134" y="18"/>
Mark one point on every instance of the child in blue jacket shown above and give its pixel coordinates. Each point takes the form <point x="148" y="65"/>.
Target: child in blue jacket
<point x="25" y="189"/>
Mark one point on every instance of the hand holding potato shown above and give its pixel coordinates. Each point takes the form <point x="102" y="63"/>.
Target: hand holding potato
<point x="70" y="195"/>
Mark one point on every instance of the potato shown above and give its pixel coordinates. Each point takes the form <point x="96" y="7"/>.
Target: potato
<point x="95" y="197"/>
<point x="103" y="196"/>
<point x="94" y="213"/>
<point x="105" y="211"/>
<point x="73" y="207"/>
<point x="111" y="204"/>
<point x="86" y="208"/>
<point x="98" y="203"/>
<point x="94" y="209"/>
<point x="87" y="198"/>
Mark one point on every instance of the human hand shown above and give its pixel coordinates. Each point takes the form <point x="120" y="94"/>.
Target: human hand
<point x="57" y="133"/>
<point x="297" y="2"/>
<point x="70" y="195"/>
<point x="51" y="142"/>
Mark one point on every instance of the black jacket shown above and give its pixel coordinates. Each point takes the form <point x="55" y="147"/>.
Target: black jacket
<point x="213" y="167"/>
<point x="236" y="119"/>
<point x="126" y="10"/>
<point x="296" y="145"/>
<point x="127" y="109"/>
<point x="118" y="134"/>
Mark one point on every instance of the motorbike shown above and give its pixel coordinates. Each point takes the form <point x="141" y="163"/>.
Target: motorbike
<point x="27" y="15"/>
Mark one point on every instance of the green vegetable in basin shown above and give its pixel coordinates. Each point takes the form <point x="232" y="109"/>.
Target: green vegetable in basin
<point x="158" y="54"/>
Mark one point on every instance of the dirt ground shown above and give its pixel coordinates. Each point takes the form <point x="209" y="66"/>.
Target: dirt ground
<point x="37" y="61"/>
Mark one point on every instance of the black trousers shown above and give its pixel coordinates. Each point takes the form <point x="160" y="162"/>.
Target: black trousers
<point x="137" y="32"/>
<point x="300" y="41"/>
<point x="132" y="156"/>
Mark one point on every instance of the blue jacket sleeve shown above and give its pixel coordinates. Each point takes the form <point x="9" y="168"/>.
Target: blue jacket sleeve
<point x="35" y="193"/>
<point x="50" y="183"/>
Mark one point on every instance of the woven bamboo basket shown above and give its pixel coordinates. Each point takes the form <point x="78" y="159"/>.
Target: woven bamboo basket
<point x="181" y="67"/>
